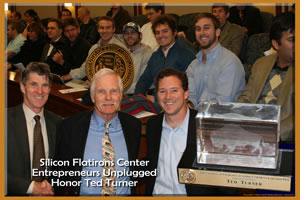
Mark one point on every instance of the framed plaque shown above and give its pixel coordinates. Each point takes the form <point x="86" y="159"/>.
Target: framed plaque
<point x="114" y="57"/>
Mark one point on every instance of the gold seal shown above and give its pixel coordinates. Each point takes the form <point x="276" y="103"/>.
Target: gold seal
<point x="114" y="57"/>
<point x="187" y="176"/>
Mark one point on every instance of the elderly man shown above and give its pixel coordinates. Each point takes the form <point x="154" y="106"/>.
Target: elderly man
<point x="103" y="135"/>
<point x="139" y="52"/>
<point x="106" y="29"/>
<point x="30" y="134"/>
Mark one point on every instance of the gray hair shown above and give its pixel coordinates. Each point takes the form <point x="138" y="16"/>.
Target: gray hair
<point x="104" y="72"/>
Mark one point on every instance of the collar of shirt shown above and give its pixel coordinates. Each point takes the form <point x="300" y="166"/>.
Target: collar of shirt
<point x="211" y="55"/>
<point x="29" y="114"/>
<point x="183" y="126"/>
<point x="98" y="123"/>
<point x="165" y="52"/>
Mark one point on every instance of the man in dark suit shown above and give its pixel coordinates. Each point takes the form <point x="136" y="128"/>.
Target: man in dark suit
<point x="55" y="48"/>
<point x="35" y="86"/>
<point x="169" y="133"/>
<point x="82" y="136"/>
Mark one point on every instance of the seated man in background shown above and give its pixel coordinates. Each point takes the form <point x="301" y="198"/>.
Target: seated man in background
<point x="271" y="79"/>
<point x="15" y="16"/>
<point x="64" y="14"/>
<point x="169" y="54"/>
<point x="120" y="17"/>
<point x="248" y="17"/>
<point x="139" y="52"/>
<point x="106" y="29"/>
<point x="231" y="35"/>
<point x="54" y="47"/>
<point x="87" y="26"/>
<point x="31" y="134"/>
<point x="152" y="12"/>
<point x="104" y="135"/>
<point x="216" y="73"/>
<point x="14" y="35"/>
<point x="76" y="48"/>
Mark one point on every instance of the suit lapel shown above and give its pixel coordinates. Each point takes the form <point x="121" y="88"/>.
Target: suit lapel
<point x="263" y="75"/>
<point x="22" y="136"/>
<point x="157" y="138"/>
<point x="45" y="52"/>
<point x="51" y="130"/>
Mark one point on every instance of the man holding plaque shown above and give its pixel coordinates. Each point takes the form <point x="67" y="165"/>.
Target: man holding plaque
<point x="106" y="29"/>
<point x="271" y="79"/>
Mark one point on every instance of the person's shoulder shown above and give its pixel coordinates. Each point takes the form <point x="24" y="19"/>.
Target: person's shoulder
<point x="78" y="118"/>
<point x="127" y="117"/>
<point x="235" y="28"/>
<point x="52" y="117"/>
<point x="155" y="118"/>
<point x="14" y="110"/>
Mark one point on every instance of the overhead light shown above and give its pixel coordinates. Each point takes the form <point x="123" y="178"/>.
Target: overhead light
<point x="67" y="4"/>
<point x="6" y="6"/>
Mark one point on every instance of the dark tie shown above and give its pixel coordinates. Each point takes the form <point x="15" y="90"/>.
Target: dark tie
<point x="38" y="152"/>
<point x="108" y="157"/>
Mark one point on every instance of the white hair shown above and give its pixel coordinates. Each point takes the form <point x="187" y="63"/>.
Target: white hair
<point x="101" y="73"/>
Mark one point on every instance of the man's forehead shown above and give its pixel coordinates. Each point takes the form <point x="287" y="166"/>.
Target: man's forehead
<point x="105" y="23"/>
<point x="52" y="24"/>
<point x="204" y="21"/>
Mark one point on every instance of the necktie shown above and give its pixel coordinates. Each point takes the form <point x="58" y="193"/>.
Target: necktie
<point x="38" y="152"/>
<point x="108" y="157"/>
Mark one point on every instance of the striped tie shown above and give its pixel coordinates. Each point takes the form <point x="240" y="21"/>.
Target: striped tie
<point x="108" y="157"/>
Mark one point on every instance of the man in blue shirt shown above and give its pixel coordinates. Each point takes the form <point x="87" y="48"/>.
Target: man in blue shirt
<point x="216" y="73"/>
<point x="169" y="54"/>
<point x="81" y="138"/>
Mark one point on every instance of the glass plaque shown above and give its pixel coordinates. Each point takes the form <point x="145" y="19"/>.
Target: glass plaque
<point x="238" y="134"/>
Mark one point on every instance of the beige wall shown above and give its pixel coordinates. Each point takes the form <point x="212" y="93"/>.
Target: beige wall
<point x="100" y="10"/>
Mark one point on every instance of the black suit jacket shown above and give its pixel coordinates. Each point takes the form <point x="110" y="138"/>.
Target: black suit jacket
<point x="72" y="141"/>
<point x="153" y="132"/>
<point x="18" y="150"/>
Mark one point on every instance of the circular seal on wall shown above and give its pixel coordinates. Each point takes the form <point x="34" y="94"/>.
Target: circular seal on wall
<point x="187" y="176"/>
<point x="114" y="57"/>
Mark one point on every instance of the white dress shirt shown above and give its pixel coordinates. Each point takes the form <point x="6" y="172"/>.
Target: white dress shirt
<point x="172" y="146"/>
<point x="30" y="124"/>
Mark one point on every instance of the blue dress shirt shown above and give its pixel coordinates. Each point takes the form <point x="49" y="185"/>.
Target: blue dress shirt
<point x="172" y="146"/>
<point x="93" y="151"/>
<point x="221" y="78"/>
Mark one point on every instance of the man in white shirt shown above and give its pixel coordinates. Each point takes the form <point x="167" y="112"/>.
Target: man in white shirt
<point x="169" y="133"/>
<point x="139" y="52"/>
<point x="22" y="123"/>
<point x="152" y="12"/>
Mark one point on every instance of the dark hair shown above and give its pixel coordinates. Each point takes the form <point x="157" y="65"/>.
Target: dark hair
<point x="224" y="6"/>
<point x="40" y="68"/>
<point x="172" y="72"/>
<point x="106" y="18"/>
<point x="281" y="23"/>
<point x="70" y="21"/>
<point x="209" y="16"/>
<point x="156" y="7"/>
<point x="59" y="24"/>
<point x="16" y="26"/>
<point x="17" y="14"/>
<point x="165" y="19"/>
<point x="37" y="28"/>
<point x="65" y="10"/>
<point x="33" y="14"/>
